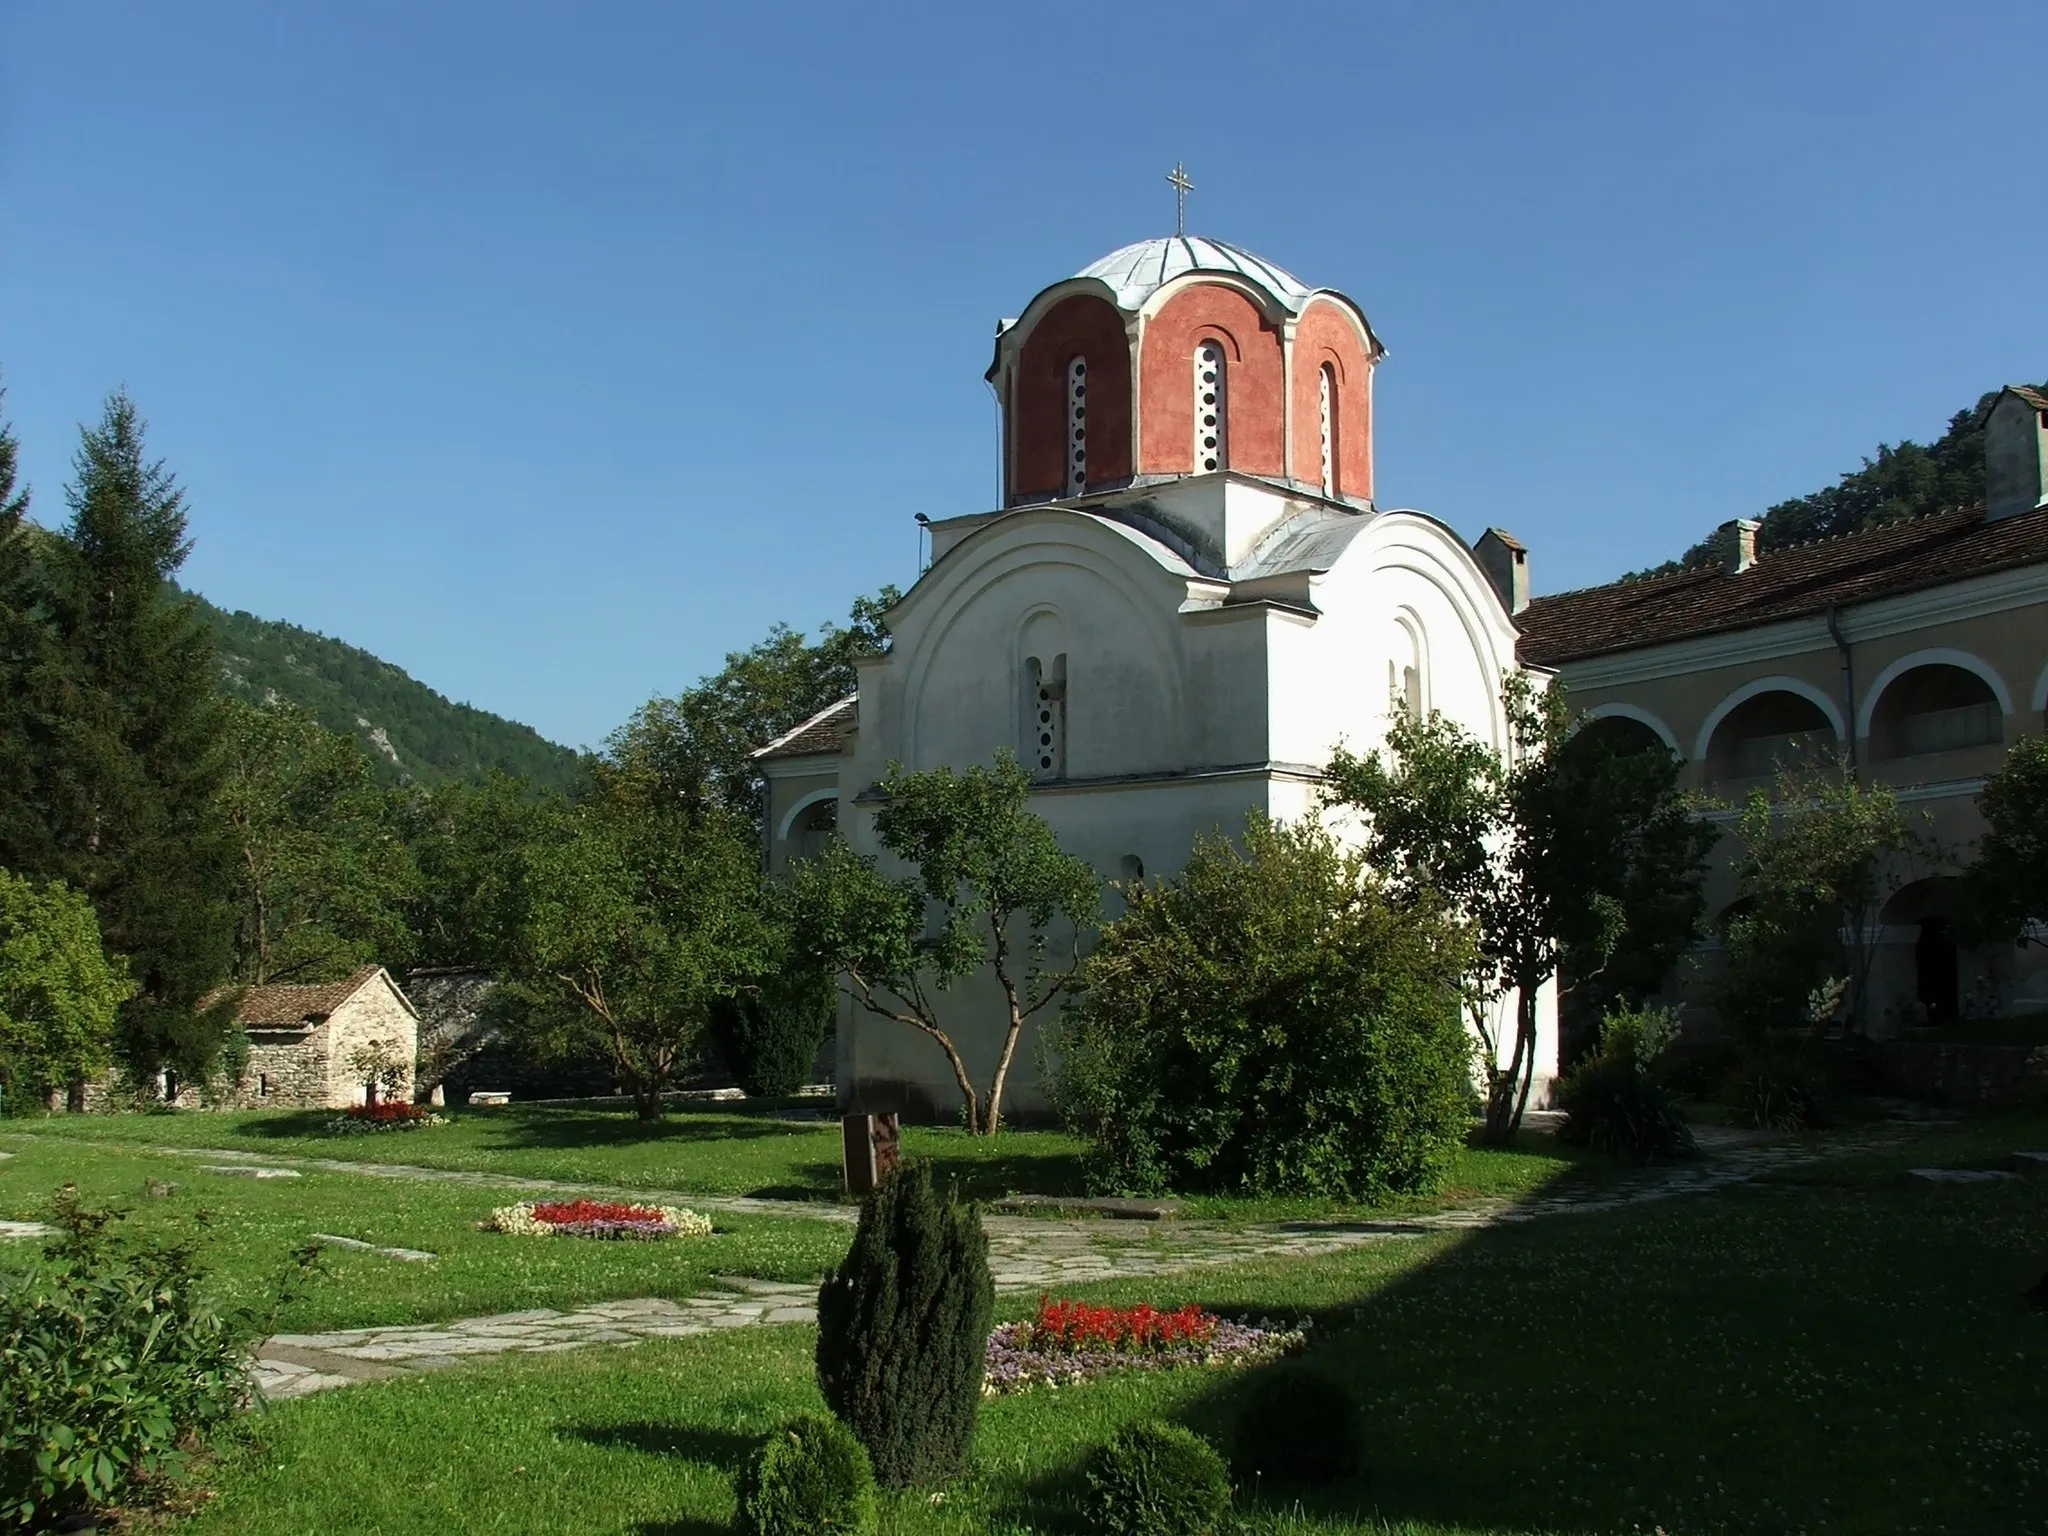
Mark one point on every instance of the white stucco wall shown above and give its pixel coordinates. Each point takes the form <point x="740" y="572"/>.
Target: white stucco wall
<point x="1182" y="714"/>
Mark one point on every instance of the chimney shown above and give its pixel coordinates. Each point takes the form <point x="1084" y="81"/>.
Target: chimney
<point x="1736" y="543"/>
<point x="1506" y="563"/>
<point x="2016" y="453"/>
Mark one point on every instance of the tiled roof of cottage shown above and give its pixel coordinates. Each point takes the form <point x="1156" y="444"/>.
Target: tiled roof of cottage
<point x="294" y="1006"/>
<point x="2032" y="396"/>
<point x="823" y="732"/>
<point x="1782" y="584"/>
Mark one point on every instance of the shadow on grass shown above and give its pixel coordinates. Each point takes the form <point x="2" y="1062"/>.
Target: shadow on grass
<point x="1762" y="1358"/>
<point x="719" y="1448"/>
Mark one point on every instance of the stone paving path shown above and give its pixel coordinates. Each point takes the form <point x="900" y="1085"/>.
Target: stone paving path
<point x="295" y="1364"/>
<point x="1026" y="1254"/>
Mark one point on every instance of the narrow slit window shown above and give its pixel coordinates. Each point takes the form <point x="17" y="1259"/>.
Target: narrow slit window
<point x="1077" y="426"/>
<point x="1326" y="405"/>
<point x="1045" y="730"/>
<point x="1212" y="409"/>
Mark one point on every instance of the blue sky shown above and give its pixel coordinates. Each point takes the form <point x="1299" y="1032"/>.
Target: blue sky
<point x="551" y="351"/>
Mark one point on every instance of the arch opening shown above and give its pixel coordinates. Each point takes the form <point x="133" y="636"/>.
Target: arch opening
<point x="1934" y="708"/>
<point x="815" y="826"/>
<point x="1773" y="730"/>
<point x="1212" y="408"/>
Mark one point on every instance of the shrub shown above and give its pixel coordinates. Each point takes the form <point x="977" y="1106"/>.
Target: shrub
<point x="1618" y="1101"/>
<point x="1155" y="1479"/>
<point x="1298" y="1425"/>
<point x="1786" y="1087"/>
<point x="1271" y="1022"/>
<point x="769" y="1038"/>
<point x="809" y="1475"/>
<point x="903" y="1330"/>
<point x="112" y="1368"/>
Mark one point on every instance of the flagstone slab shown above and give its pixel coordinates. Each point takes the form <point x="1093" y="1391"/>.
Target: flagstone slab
<point x="24" y="1229"/>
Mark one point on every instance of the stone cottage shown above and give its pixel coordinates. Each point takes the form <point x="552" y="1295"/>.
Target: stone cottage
<point x="302" y="1036"/>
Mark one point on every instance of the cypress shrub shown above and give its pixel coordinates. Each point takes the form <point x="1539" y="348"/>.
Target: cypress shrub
<point x="1298" y="1425"/>
<point x="1155" y="1479"/>
<point x="769" y="1038"/>
<point x="809" y="1475"/>
<point x="903" y="1330"/>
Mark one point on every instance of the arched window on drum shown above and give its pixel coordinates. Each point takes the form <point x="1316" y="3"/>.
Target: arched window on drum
<point x="1212" y="408"/>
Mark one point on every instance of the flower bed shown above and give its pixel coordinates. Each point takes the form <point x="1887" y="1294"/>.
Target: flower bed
<point x="391" y="1115"/>
<point x="597" y="1218"/>
<point x="1070" y="1342"/>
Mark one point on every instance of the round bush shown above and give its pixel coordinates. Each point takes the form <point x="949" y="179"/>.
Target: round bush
<point x="1155" y="1479"/>
<point x="1615" y="1105"/>
<point x="809" y="1475"/>
<point x="1299" y="1426"/>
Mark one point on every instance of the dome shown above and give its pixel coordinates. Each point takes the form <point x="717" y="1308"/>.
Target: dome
<point x="1138" y="271"/>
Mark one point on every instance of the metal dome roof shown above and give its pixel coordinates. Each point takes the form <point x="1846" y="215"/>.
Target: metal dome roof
<point x="1138" y="271"/>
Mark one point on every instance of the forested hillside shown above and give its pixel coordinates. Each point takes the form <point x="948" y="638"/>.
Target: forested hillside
<point x="1905" y="480"/>
<point x="409" y="730"/>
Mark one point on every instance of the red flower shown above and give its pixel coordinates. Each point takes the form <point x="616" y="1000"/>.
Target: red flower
<point x="562" y="1213"/>
<point x="1074" y="1327"/>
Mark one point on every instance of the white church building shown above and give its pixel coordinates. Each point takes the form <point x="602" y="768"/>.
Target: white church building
<point x="1186" y="599"/>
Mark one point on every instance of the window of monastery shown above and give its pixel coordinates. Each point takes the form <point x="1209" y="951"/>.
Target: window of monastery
<point x="1045" y="736"/>
<point x="1935" y="709"/>
<point x="1077" y="426"/>
<point x="1326" y="407"/>
<point x="813" y="830"/>
<point x="1212" y="446"/>
<point x="1771" y="731"/>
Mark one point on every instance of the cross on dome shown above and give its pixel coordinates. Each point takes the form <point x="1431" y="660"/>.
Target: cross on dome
<point x="1177" y="178"/>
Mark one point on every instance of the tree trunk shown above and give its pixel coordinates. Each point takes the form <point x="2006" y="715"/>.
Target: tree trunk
<point x="647" y="1104"/>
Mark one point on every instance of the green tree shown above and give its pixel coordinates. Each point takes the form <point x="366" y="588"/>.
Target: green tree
<point x="1546" y="851"/>
<point x="20" y="637"/>
<point x="58" y="990"/>
<point x="1002" y="889"/>
<point x="1820" y="851"/>
<point x="469" y="843"/>
<point x="2005" y="888"/>
<point x="699" y="745"/>
<point x="1272" y="1021"/>
<point x="321" y="873"/>
<point x="641" y="916"/>
<point x="125" y="739"/>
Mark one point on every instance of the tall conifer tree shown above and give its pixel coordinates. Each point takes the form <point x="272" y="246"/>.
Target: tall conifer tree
<point x="132" y="759"/>
<point x="17" y="644"/>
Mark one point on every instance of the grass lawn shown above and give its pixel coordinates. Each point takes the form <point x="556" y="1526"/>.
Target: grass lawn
<point x="1837" y="1349"/>
<point x="729" y="1151"/>
<point x="249" y="1228"/>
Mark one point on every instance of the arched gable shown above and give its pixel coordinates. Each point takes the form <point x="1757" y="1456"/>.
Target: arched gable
<point x="1187" y="316"/>
<point x="1037" y="422"/>
<point x="1329" y="334"/>
<point x="1116" y="596"/>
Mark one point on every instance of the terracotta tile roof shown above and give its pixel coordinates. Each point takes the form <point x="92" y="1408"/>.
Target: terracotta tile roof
<point x="1782" y="584"/>
<point x="823" y="732"/>
<point x="2033" y="397"/>
<point x="293" y="1006"/>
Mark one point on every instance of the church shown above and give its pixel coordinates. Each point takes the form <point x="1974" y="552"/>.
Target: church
<point x="1185" y="600"/>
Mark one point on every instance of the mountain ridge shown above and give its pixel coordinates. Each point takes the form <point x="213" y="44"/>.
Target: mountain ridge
<point x="411" y="732"/>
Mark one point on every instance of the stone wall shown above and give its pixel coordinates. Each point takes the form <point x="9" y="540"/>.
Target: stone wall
<point x="376" y="1012"/>
<point x="286" y="1071"/>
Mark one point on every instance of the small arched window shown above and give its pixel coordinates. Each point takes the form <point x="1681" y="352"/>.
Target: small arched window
<point x="1326" y="414"/>
<point x="1212" y="409"/>
<point x="1077" y="426"/>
